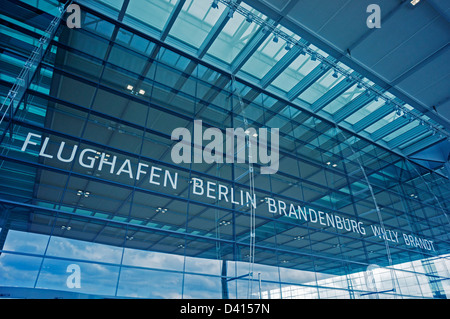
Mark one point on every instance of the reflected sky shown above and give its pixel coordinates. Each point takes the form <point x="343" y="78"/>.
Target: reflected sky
<point x="147" y="274"/>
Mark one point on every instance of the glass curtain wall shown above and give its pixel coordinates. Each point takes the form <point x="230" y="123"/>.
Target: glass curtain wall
<point x="117" y="94"/>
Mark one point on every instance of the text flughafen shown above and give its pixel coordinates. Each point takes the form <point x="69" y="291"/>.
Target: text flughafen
<point x="165" y="178"/>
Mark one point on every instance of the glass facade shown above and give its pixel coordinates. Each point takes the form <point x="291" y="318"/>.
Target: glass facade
<point x="91" y="203"/>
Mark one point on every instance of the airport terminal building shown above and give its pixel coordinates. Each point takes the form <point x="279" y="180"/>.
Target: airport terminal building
<point x="336" y="183"/>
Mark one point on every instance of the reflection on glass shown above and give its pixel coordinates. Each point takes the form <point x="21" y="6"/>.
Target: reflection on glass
<point x="295" y="72"/>
<point x="268" y="54"/>
<point x="234" y="36"/>
<point x="195" y="18"/>
<point x="321" y="86"/>
<point x="152" y="13"/>
<point x="350" y="94"/>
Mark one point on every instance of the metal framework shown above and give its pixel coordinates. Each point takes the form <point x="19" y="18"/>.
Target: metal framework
<point x="379" y="177"/>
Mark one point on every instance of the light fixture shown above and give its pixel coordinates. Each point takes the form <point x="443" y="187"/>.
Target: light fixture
<point x="224" y="223"/>
<point x="275" y="38"/>
<point x="414" y="2"/>
<point x="215" y="4"/>
<point x="129" y="87"/>
<point x="314" y="56"/>
<point x="255" y="135"/>
<point x="129" y="237"/>
<point x="288" y="46"/>
<point x="66" y="227"/>
<point x="335" y="74"/>
<point x="230" y="13"/>
<point x="249" y="18"/>
<point x="83" y="193"/>
<point x="334" y="165"/>
<point x="141" y="92"/>
<point x="328" y="163"/>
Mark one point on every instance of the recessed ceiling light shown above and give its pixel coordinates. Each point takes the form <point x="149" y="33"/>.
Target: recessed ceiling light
<point x="414" y="2"/>
<point x="129" y="87"/>
<point x="141" y="92"/>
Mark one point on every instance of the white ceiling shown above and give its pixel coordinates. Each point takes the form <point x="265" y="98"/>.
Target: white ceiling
<point x="409" y="54"/>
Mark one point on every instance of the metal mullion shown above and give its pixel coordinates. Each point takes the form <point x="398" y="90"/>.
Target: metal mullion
<point x="307" y="81"/>
<point x="282" y="65"/>
<point x="371" y="118"/>
<point x="49" y="131"/>
<point x="172" y="18"/>
<point x="332" y="94"/>
<point x="258" y="38"/>
<point x="214" y="32"/>
<point x="389" y="128"/>
<point x="354" y="106"/>
<point x="411" y="134"/>
<point x="222" y="71"/>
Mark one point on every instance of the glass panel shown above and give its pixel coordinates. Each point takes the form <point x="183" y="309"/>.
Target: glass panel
<point x="196" y="18"/>
<point x="379" y="124"/>
<point x="268" y="54"/>
<point x="152" y="13"/>
<point x="400" y="131"/>
<point x="94" y="278"/>
<point x="335" y="105"/>
<point x="18" y="270"/>
<point x="234" y="36"/>
<point x="143" y="283"/>
<point x="365" y="111"/>
<point x="296" y="71"/>
<point x="322" y="85"/>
